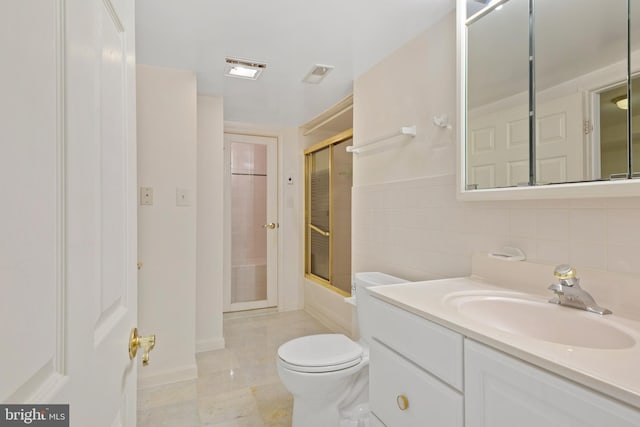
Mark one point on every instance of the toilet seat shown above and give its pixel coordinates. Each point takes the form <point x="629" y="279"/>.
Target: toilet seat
<point x="320" y="353"/>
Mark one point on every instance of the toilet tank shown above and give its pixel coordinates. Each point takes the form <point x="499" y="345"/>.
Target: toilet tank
<point x="365" y="280"/>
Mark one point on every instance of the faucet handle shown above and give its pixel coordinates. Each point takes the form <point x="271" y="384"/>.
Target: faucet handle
<point x="564" y="272"/>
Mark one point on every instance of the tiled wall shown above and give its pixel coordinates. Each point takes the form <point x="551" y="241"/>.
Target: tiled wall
<point x="406" y="219"/>
<point x="418" y="230"/>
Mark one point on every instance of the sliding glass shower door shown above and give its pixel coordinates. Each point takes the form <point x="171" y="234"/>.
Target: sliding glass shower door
<point x="328" y="213"/>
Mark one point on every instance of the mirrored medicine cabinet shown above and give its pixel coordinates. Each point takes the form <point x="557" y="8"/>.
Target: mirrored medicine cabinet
<point x="549" y="98"/>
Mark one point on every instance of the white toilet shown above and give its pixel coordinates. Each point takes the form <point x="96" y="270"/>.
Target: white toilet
<point x="328" y="374"/>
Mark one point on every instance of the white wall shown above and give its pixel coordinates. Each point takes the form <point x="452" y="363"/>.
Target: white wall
<point x="209" y="334"/>
<point x="406" y="219"/>
<point x="407" y="88"/>
<point x="167" y="135"/>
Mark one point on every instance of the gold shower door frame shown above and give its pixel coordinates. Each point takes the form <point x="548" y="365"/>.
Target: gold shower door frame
<point x="310" y="228"/>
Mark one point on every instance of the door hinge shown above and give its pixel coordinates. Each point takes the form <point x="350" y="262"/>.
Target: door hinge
<point x="587" y="127"/>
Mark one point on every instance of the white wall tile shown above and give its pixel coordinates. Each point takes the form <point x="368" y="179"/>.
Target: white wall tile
<point x="587" y="254"/>
<point x="552" y="224"/>
<point x="587" y="225"/>
<point x="623" y="259"/>
<point x="623" y="226"/>
<point x="428" y="232"/>
<point x="522" y="223"/>
<point x="553" y="251"/>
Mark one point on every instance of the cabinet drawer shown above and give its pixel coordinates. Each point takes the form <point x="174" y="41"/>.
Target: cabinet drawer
<point x="428" y="401"/>
<point x="430" y="346"/>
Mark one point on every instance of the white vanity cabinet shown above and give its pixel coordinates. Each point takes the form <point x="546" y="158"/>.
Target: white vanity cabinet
<point x="415" y="371"/>
<point x="502" y="391"/>
<point x="424" y="374"/>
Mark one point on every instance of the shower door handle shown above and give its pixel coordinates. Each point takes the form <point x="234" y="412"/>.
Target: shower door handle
<point x="319" y="230"/>
<point x="270" y="226"/>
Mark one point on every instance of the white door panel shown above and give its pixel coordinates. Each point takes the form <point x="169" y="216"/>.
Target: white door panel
<point x="502" y="140"/>
<point x="101" y="227"/>
<point x="560" y="140"/>
<point x="68" y="248"/>
<point x="31" y="222"/>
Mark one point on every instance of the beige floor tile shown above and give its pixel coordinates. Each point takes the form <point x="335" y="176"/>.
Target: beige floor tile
<point x="216" y="361"/>
<point x="183" y="414"/>
<point x="274" y="403"/>
<point x="238" y="405"/>
<point x="237" y="386"/>
<point x="167" y="394"/>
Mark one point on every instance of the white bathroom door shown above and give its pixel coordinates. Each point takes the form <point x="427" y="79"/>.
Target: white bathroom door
<point x="68" y="223"/>
<point x="251" y="222"/>
<point x="101" y="210"/>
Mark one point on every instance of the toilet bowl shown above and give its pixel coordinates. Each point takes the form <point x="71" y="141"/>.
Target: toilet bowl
<point x="328" y="374"/>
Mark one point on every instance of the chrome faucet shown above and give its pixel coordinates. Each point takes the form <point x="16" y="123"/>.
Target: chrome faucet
<point x="568" y="291"/>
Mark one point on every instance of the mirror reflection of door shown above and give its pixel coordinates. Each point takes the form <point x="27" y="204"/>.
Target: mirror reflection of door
<point x="572" y="57"/>
<point x="497" y="135"/>
<point x="577" y="134"/>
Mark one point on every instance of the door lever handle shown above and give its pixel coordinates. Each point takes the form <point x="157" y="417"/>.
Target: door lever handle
<point x="146" y="343"/>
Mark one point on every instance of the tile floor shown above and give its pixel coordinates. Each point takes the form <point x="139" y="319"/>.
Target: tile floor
<point x="237" y="386"/>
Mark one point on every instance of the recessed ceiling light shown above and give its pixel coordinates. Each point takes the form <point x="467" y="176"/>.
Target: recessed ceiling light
<point x="317" y="73"/>
<point x="243" y="68"/>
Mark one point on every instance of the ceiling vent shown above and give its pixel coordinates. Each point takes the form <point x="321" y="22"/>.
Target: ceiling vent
<point x="317" y="73"/>
<point x="243" y="68"/>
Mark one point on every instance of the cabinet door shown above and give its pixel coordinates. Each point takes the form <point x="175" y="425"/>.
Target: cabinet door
<point x="375" y="422"/>
<point x="501" y="391"/>
<point x="403" y="395"/>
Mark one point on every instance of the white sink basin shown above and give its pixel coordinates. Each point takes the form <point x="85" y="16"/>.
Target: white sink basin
<point x="524" y="315"/>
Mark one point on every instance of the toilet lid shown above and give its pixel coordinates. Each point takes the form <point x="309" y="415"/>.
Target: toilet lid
<point x="320" y="353"/>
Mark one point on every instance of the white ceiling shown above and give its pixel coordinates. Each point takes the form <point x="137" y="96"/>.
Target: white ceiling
<point x="289" y="35"/>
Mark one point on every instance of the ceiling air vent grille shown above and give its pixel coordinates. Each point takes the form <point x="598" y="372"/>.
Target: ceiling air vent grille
<point x="317" y="73"/>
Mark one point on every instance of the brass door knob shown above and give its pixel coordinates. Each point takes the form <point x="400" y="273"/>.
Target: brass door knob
<point x="146" y="343"/>
<point x="270" y="226"/>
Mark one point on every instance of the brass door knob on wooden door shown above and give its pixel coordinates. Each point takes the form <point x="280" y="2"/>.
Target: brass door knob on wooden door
<point x="270" y="226"/>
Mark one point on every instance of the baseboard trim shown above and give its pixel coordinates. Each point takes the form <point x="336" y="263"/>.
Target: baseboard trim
<point x="184" y="373"/>
<point x="326" y="319"/>
<point x="210" y="345"/>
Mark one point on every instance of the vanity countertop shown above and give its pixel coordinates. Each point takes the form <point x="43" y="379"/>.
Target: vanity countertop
<point x="613" y="372"/>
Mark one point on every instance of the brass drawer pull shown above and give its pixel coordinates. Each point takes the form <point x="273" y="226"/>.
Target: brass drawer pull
<point x="403" y="402"/>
